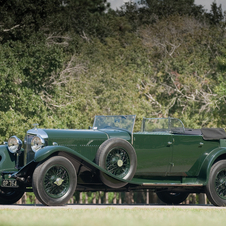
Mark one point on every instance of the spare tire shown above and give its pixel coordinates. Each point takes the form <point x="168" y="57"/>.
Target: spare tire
<point x="118" y="157"/>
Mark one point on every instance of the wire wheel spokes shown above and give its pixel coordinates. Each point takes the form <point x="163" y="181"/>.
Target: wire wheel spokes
<point x="56" y="181"/>
<point x="220" y="184"/>
<point x="118" y="162"/>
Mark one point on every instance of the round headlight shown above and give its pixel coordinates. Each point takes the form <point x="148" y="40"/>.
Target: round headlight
<point x="37" y="143"/>
<point x="14" y="144"/>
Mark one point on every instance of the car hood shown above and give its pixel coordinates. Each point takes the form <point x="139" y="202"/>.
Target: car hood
<point x="70" y="137"/>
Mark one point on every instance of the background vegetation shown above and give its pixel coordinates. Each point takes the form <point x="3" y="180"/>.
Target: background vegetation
<point x="63" y="62"/>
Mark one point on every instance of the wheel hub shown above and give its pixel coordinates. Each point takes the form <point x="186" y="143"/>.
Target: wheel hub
<point x="120" y="163"/>
<point x="58" y="181"/>
<point x="117" y="162"/>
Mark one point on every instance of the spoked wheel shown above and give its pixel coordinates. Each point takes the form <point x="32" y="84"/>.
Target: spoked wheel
<point x="118" y="157"/>
<point x="216" y="186"/>
<point x="54" y="181"/>
<point x="118" y="162"/>
<point x="172" y="198"/>
<point x="10" y="196"/>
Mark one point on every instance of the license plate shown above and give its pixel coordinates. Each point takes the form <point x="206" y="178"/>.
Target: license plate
<point x="10" y="183"/>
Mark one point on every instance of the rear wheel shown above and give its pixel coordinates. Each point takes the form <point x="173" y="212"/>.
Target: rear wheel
<point x="54" y="181"/>
<point x="172" y="198"/>
<point x="216" y="186"/>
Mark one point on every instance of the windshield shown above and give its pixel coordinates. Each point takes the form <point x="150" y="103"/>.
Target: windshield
<point x="169" y="125"/>
<point x="125" y="122"/>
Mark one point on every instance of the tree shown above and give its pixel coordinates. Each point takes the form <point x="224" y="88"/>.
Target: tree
<point x="216" y="14"/>
<point x="183" y="51"/>
<point x="165" y="8"/>
<point x="19" y="19"/>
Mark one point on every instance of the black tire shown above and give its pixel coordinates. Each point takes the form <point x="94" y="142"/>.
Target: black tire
<point x="119" y="158"/>
<point x="216" y="186"/>
<point x="10" y="196"/>
<point x="172" y="198"/>
<point x="54" y="181"/>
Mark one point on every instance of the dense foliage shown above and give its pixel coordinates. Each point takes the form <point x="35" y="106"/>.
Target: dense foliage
<point x="63" y="62"/>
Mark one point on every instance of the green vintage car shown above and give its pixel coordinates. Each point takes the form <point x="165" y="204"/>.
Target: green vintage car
<point x="164" y="157"/>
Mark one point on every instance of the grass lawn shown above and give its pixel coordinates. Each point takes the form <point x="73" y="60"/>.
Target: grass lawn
<point x="113" y="217"/>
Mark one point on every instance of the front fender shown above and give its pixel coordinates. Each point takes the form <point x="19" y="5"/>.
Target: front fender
<point x="208" y="162"/>
<point x="7" y="159"/>
<point x="47" y="151"/>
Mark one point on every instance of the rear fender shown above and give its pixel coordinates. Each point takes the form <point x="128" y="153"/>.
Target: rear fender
<point x="212" y="157"/>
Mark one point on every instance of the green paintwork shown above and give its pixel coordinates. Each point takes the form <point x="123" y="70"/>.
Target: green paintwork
<point x="222" y="142"/>
<point x="158" y="161"/>
<point x="187" y="152"/>
<point x="85" y="142"/>
<point x="180" y="161"/>
<point x="208" y="162"/>
<point x="8" y="160"/>
<point x="162" y="157"/>
<point x="45" y="152"/>
<point x="117" y="133"/>
<point x="153" y="153"/>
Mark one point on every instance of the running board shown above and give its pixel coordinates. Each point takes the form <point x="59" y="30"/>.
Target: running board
<point x="172" y="185"/>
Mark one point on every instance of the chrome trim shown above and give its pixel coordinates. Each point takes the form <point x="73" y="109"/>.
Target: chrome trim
<point x="35" y="145"/>
<point x="27" y="141"/>
<point x="55" y="144"/>
<point x="39" y="132"/>
<point x="18" y="143"/>
<point x="35" y="126"/>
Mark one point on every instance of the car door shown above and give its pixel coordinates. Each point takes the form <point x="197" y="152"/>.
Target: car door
<point x="154" y="153"/>
<point x="187" y="150"/>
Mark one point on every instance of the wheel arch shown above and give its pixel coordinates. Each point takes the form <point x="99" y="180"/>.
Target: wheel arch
<point x="214" y="156"/>
<point x="76" y="158"/>
<point x="8" y="159"/>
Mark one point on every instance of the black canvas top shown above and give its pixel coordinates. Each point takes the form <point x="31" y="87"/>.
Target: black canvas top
<point x="213" y="133"/>
<point x="193" y="131"/>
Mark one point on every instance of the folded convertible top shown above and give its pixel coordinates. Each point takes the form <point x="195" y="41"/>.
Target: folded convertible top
<point x="213" y="133"/>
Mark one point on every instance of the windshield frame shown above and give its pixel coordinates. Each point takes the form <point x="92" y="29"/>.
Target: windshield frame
<point x="133" y="117"/>
<point x="169" y="130"/>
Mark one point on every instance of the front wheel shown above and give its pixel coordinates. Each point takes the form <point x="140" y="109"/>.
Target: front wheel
<point x="54" y="181"/>
<point x="10" y="196"/>
<point x="172" y="198"/>
<point x="216" y="186"/>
